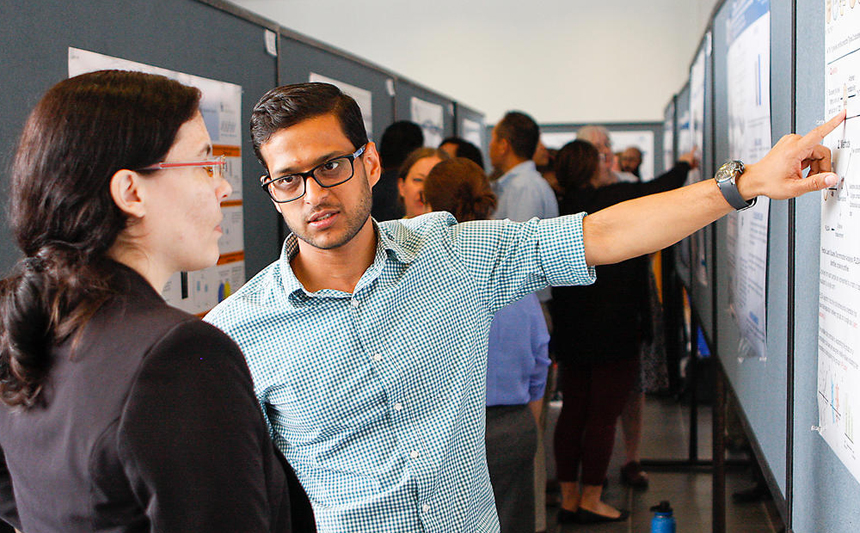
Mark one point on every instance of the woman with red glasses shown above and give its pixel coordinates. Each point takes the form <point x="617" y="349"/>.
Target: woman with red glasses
<point x="119" y="412"/>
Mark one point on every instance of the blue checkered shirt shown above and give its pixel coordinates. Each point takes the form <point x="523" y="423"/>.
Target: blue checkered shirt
<point x="377" y="397"/>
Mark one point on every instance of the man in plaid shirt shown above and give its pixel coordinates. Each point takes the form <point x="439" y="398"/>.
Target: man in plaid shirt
<point x="367" y="342"/>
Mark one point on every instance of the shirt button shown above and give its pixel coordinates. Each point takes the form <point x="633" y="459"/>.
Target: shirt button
<point x="353" y="303"/>
<point x="376" y="357"/>
<point x="413" y="454"/>
<point x="398" y="406"/>
<point x="426" y="507"/>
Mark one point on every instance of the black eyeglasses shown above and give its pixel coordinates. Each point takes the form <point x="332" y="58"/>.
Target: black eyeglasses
<point x="329" y="174"/>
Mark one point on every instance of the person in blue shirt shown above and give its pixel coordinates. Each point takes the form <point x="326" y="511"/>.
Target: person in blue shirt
<point x="367" y="342"/>
<point x="517" y="359"/>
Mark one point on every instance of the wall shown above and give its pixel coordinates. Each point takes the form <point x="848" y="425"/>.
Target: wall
<point x="505" y="54"/>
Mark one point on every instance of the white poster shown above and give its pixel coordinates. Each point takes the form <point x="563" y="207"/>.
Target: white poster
<point x="697" y="110"/>
<point x="431" y="118"/>
<point x="697" y="134"/>
<point x="362" y="97"/>
<point x="685" y="131"/>
<point x="644" y="141"/>
<point x="748" y="39"/>
<point x="669" y="137"/>
<point x="557" y="139"/>
<point x="472" y="132"/>
<point x="220" y="105"/>
<point x="839" y="283"/>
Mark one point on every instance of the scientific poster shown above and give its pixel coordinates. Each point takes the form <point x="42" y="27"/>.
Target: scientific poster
<point x="557" y="139"/>
<point x="220" y="105"/>
<point x="748" y="78"/>
<point x="472" y="132"/>
<point x="697" y="133"/>
<point x="839" y="282"/>
<point x="362" y="97"/>
<point x="431" y="118"/>
<point x="685" y="144"/>
<point x="669" y="137"/>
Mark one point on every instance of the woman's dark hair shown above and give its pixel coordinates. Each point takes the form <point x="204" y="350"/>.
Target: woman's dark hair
<point x="417" y="155"/>
<point x="576" y="164"/>
<point x="460" y="187"/>
<point x="465" y="149"/>
<point x="286" y="106"/>
<point x="82" y="131"/>
<point x="398" y="141"/>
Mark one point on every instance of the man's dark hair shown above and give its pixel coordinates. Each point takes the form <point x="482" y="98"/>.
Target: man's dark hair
<point x="286" y="106"/>
<point x="521" y="131"/>
<point x="398" y="141"/>
<point x="466" y="149"/>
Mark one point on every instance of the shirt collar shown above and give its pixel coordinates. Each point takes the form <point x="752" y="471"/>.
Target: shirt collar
<point x="386" y="243"/>
<point x="386" y="247"/>
<point x="524" y="167"/>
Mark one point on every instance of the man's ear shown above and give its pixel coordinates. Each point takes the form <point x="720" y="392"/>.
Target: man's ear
<point x="372" y="164"/>
<point x="505" y="145"/>
<point x="126" y="189"/>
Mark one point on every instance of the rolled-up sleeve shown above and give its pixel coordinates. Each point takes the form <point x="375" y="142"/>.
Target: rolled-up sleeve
<point x="508" y="259"/>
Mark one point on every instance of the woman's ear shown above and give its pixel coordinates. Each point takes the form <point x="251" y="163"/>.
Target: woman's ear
<point x="125" y="189"/>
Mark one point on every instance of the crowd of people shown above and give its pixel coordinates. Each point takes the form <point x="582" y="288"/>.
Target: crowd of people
<point x="386" y="373"/>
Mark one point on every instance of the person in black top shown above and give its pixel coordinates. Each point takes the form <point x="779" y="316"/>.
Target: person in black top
<point x="119" y="412"/>
<point x="398" y="141"/>
<point x="598" y="330"/>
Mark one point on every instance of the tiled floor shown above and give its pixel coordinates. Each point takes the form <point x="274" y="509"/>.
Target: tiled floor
<point x="667" y="437"/>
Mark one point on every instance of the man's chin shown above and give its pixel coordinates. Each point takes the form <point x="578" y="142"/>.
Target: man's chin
<point x="324" y="241"/>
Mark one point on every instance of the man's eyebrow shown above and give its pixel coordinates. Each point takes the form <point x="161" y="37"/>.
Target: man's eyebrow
<point x="316" y="162"/>
<point x="205" y="149"/>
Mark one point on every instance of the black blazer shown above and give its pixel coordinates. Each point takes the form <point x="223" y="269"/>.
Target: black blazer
<point x="607" y="321"/>
<point x="151" y="424"/>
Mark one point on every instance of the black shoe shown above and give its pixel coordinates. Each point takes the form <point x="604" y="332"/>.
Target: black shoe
<point x="632" y="475"/>
<point x="587" y="517"/>
<point x="567" y="517"/>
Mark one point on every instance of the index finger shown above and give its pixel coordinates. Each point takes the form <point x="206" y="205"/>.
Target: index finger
<point x="814" y="137"/>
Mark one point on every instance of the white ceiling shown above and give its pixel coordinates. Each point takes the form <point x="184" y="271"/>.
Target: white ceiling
<point x="559" y="60"/>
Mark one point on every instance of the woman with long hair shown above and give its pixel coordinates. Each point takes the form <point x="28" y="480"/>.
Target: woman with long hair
<point x="119" y="412"/>
<point x="517" y="358"/>
<point x="597" y="333"/>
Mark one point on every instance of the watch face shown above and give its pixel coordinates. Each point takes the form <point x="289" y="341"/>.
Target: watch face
<point x="728" y="171"/>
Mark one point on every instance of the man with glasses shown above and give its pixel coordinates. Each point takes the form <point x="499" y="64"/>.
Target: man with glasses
<point x="368" y="342"/>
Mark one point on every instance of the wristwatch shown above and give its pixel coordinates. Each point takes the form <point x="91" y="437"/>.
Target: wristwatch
<point x="726" y="178"/>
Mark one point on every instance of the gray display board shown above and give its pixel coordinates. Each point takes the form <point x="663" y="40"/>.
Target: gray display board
<point x="701" y="280"/>
<point x="166" y="33"/>
<point x="683" y="253"/>
<point x="825" y="493"/>
<point x="569" y="130"/>
<point x="760" y="385"/>
<point x="298" y="59"/>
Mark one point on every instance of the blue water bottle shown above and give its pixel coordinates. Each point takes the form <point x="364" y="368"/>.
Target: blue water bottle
<point x="663" y="521"/>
